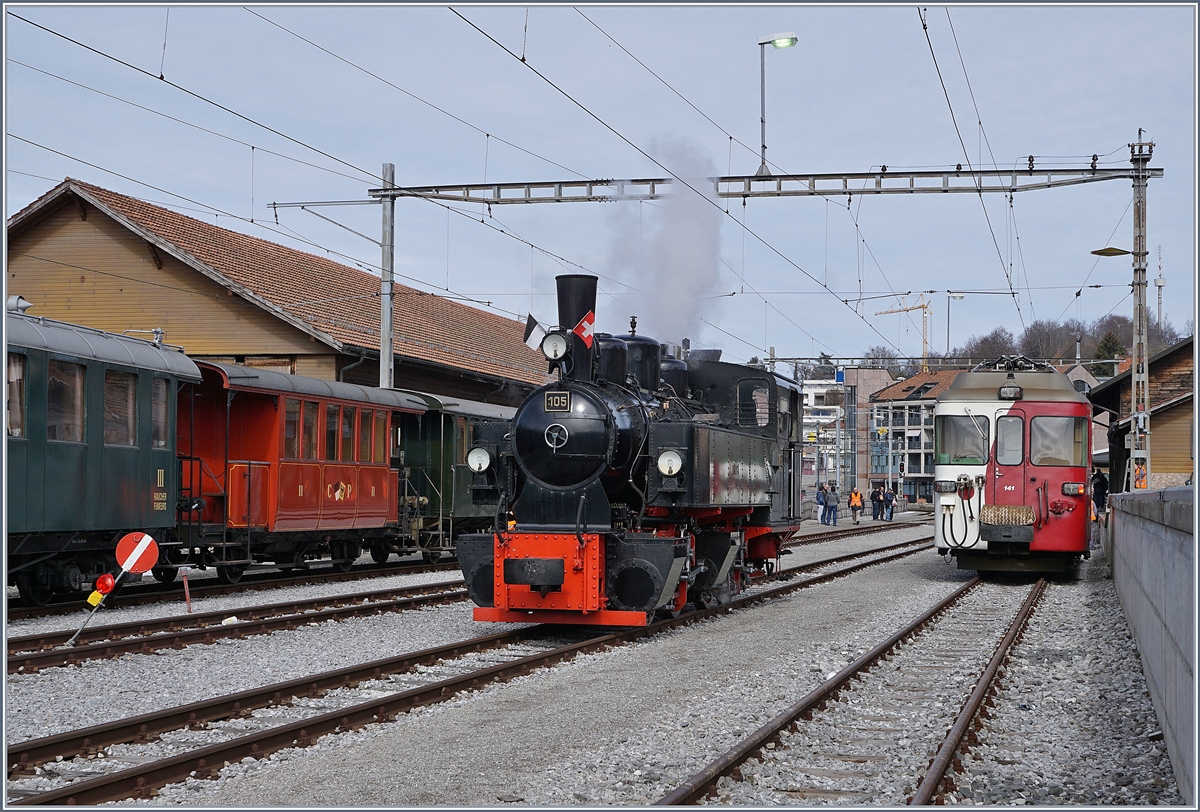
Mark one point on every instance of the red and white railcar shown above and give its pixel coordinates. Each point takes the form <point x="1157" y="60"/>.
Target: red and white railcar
<point x="1012" y="452"/>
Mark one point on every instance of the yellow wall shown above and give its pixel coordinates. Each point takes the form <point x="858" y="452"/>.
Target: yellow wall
<point x="102" y="275"/>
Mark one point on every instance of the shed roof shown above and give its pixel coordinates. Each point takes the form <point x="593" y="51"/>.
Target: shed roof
<point x="334" y="303"/>
<point x="42" y="333"/>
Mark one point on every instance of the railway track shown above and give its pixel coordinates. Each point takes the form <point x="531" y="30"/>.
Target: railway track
<point x="883" y="715"/>
<point x="143" y="594"/>
<point x="134" y="757"/>
<point x="31" y="653"/>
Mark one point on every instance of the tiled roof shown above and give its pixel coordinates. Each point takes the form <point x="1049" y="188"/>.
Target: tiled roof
<point x="329" y="300"/>
<point x="930" y="384"/>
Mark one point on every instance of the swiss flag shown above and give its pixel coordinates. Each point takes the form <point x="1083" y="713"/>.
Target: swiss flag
<point x="584" y="328"/>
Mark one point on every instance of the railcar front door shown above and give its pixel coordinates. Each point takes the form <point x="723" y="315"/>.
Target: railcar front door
<point x="1009" y="477"/>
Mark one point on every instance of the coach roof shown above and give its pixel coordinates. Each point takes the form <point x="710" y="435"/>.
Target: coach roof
<point x="39" y="333"/>
<point x="266" y="380"/>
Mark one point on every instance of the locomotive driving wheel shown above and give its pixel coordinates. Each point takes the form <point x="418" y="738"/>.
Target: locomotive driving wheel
<point x="718" y="595"/>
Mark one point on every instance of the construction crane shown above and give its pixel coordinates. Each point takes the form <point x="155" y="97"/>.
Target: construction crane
<point x="924" y="307"/>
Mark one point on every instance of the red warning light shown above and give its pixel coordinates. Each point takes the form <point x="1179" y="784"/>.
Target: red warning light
<point x="105" y="583"/>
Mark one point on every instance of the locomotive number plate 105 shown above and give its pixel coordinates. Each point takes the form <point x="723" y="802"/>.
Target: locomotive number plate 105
<point x="558" y="401"/>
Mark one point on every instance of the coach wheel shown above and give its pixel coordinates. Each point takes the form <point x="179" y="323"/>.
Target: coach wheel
<point x="344" y="553"/>
<point x="431" y="556"/>
<point x="166" y="575"/>
<point x="34" y="586"/>
<point x="379" y="554"/>
<point x="231" y="574"/>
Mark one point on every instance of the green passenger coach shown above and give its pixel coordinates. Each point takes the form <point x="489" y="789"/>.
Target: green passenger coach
<point x="91" y="449"/>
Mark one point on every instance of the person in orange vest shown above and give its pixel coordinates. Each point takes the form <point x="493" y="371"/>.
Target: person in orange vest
<point x="856" y="504"/>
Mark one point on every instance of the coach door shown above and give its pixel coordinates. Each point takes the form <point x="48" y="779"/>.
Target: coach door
<point x="1008" y="475"/>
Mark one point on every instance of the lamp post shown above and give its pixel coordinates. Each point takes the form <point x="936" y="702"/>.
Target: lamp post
<point x="785" y="40"/>
<point x="958" y="297"/>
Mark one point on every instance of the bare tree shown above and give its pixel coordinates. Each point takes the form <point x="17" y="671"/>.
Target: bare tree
<point x="991" y="346"/>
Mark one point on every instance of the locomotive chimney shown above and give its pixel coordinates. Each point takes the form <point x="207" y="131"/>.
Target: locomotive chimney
<point x="577" y="302"/>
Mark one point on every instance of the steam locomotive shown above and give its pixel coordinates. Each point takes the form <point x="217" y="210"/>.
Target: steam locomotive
<point x="1012" y="445"/>
<point x="636" y="483"/>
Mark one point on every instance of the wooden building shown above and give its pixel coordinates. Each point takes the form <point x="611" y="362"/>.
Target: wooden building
<point x="1172" y="376"/>
<point x="87" y="255"/>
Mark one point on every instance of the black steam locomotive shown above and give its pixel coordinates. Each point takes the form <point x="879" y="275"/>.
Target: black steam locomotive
<point x="639" y="482"/>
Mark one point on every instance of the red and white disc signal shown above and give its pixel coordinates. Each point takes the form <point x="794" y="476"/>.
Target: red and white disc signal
<point x="137" y="552"/>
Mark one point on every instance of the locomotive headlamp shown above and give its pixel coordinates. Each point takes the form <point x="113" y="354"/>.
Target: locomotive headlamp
<point x="945" y="486"/>
<point x="554" y="346"/>
<point x="478" y="459"/>
<point x="670" y="463"/>
<point x="1010" y="392"/>
<point x="1072" y="489"/>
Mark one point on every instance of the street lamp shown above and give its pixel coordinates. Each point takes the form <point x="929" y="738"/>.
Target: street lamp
<point x="785" y="40"/>
<point x="957" y="297"/>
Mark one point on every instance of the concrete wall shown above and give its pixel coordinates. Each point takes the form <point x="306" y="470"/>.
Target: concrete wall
<point x="1152" y="553"/>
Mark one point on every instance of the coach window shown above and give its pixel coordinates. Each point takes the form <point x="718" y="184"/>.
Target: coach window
<point x="158" y="412"/>
<point x="331" y="430"/>
<point x="365" y="418"/>
<point x="308" y="434"/>
<point x="65" y="414"/>
<point x="960" y="440"/>
<point x="754" y="403"/>
<point x="120" y="408"/>
<point x="15" y="399"/>
<point x="380" y="437"/>
<point x="1010" y="440"/>
<point x="291" y="429"/>
<point x="1058" y="440"/>
<point x="348" y="433"/>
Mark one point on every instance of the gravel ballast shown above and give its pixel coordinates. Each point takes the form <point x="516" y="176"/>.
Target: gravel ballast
<point x="625" y="726"/>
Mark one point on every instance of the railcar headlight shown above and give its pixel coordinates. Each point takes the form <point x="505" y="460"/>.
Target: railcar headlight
<point x="945" y="486"/>
<point x="670" y="463"/>
<point x="478" y="459"/>
<point x="1010" y="392"/>
<point x="554" y="346"/>
<point x="1072" y="489"/>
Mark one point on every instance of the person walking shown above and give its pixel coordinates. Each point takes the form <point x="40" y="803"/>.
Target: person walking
<point x="821" y="504"/>
<point x="831" y="505"/>
<point x="889" y="504"/>
<point x="876" y="503"/>
<point x="1099" y="489"/>
<point x="855" y="503"/>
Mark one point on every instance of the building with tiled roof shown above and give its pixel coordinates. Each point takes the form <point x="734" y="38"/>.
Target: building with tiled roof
<point x="902" y="433"/>
<point x="84" y="254"/>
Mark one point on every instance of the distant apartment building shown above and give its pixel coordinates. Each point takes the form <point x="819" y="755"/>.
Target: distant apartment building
<point x="901" y="434"/>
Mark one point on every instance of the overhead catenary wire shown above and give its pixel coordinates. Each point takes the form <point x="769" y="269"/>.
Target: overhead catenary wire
<point x="967" y="157"/>
<point x="659" y="164"/>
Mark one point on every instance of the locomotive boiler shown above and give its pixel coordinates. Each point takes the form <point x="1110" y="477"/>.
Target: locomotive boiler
<point x="636" y="483"/>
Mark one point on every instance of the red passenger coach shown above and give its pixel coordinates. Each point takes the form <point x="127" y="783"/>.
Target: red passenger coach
<point x="283" y="468"/>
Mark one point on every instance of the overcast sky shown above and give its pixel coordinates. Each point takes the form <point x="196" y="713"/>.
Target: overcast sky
<point x="861" y="89"/>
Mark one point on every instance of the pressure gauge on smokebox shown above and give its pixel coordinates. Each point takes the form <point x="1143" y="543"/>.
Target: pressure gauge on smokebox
<point x="670" y="463"/>
<point x="554" y="346"/>
<point x="478" y="459"/>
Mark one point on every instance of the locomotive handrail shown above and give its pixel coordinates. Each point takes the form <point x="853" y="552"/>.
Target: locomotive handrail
<point x="579" y="515"/>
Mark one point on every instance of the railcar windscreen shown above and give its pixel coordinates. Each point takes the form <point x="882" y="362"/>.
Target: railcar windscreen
<point x="1058" y="440"/>
<point x="961" y="440"/>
